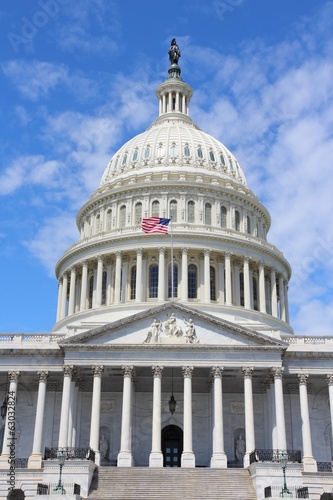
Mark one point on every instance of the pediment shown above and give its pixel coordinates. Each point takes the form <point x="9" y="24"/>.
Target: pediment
<point x="172" y="324"/>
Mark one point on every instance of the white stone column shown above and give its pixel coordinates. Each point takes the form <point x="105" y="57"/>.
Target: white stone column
<point x="35" y="459"/>
<point x="187" y="458"/>
<point x="237" y="283"/>
<point x="279" y="408"/>
<point x="125" y="458"/>
<point x="64" y="295"/>
<point x="249" y="417"/>
<point x="329" y="379"/>
<point x="286" y="302"/>
<point x="228" y="294"/>
<point x="9" y="451"/>
<point x="262" y="291"/>
<point x="117" y="279"/>
<point x="309" y="463"/>
<point x="84" y="284"/>
<point x="124" y="280"/>
<point x="64" y="417"/>
<point x="138" y="283"/>
<point x="71" y="301"/>
<point x="184" y="296"/>
<point x="99" y="280"/>
<point x="96" y="411"/>
<point x="221" y="279"/>
<point x="219" y="458"/>
<point x="161" y="275"/>
<point x="247" y="287"/>
<point x="282" y="298"/>
<point x="75" y="411"/>
<point x="206" y="275"/>
<point x="59" y="300"/>
<point x="273" y="293"/>
<point x="156" y="456"/>
<point x="184" y="104"/>
<point x="177" y="102"/>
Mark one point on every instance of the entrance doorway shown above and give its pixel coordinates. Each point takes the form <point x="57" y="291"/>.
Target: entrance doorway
<point x="172" y="445"/>
<point x="16" y="495"/>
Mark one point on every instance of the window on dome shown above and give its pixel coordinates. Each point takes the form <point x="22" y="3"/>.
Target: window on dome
<point x="122" y="216"/>
<point x="173" y="151"/>
<point x="108" y="219"/>
<point x="192" y="281"/>
<point x="248" y="224"/>
<point x="115" y="164"/>
<point x="212" y="283"/>
<point x="138" y="214"/>
<point x="223" y="217"/>
<point x="133" y="283"/>
<point x="237" y="221"/>
<point x="187" y="151"/>
<point x="153" y="282"/>
<point x="104" y="281"/>
<point x="191" y="212"/>
<point x="199" y="153"/>
<point x="124" y="159"/>
<point x="155" y="208"/>
<point x="135" y="155"/>
<point x="174" y="283"/>
<point x="211" y="156"/>
<point x="208" y="214"/>
<point x="241" y="289"/>
<point x="232" y="168"/>
<point x="91" y="292"/>
<point x="160" y="151"/>
<point x="147" y="153"/>
<point x="255" y="294"/>
<point x="173" y="210"/>
<point x="222" y="160"/>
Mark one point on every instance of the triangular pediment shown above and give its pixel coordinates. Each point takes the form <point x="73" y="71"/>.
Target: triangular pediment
<point x="172" y="324"/>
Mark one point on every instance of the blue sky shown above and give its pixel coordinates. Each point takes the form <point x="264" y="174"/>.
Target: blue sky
<point x="78" y="79"/>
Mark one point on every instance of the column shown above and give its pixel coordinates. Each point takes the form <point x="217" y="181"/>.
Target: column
<point x="125" y="458"/>
<point x="161" y="275"/>
<point x="138" y="283"/>
<point x="35" y="459"/>
<point x="262" y="291"/>
<point x="184" y="296"/>
<point x="221" y="279"/>
<point x="64" y="417"/>
<point x="8" y="446"/>
<point x="228" y="296"/>
<point x="249" y="418"/>
<point x="279" y="408"/>
<point x="309" y="463"/>
<point x="59" y="300"/>
<point x="273" y="293"/>
<point x="117" y="283"/>
<point x="64" y="295"/>
<point x="329" y="379"/>
<point x="99" y="279"/>
<point x="237" y="283"/>
<point x="71" y="300"/>
<point x="188" y="458"/>
<point x="124" y="279"/>
<point x="282" y="299"/>
<point x="177" y="102"/>
<point x="183" y="104"/>
<point x="96" y="411"/>
<point x="219" y="458"/>
<point x="206" y="275"/>
<point x="84" y="284"/>
<point x="156" y="456"/>
<point x="247" y="288"/>
<point x="286" y="303"/>
<point x="77" y="383"/>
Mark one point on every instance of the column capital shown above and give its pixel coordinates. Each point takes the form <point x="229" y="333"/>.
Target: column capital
<point x="161" y="250"/>
<point x="72" y="269"/>
<point x="247" y="371"/>
<point x="13" y="375"/>
<point x="185" y="251"/>
<point x="216" y="371"/>
<point x="139" y="251"/>
<point x="228" y="255"/>
<point x="277" y="371"/>
<point x="329" y="378"/>
<point x="207" y="251"/>
<point x="100" y="258"/>
<point x="97" y="370"/>
<point x="128" y="371"/>
<point x="68" y="370"/>
<point x="302" y="378"/>
<point x="187" y="371"/>
<point x="261" y="264"/>
<point x="42" y="375"/>
<point x="118" y="254"/>
<point x="246" y="259"/>
<point x="84" y="263"/>
<point x="157" y="371"/>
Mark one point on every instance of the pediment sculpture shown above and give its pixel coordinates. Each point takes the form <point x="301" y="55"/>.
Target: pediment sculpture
<point x="171" y="329"/>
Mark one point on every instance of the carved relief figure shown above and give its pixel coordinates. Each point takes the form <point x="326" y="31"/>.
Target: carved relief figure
<point x="171" y="328"/>
<point x="154" y="331"/>
<point x="103" y="447"/>
<point x="190" y="333"/>
<point x="240" y="448"/>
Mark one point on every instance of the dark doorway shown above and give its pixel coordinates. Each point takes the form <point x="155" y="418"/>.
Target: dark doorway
<point x="172" y="445"/>
<point x="16" y="495"/>
<point x="327" y="496"/>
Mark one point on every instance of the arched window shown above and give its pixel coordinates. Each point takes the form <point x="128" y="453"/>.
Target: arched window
<point x="133" y="283"/>
<point x="222" y="160"/>
<point x="135" y="155"/>
<point x="237" y="221"/>
<point x="104" y="281"/>
<point x="173" y="151"/>
<point x="223" y="217"/>
<point x="138" y="214"/>
<point x="153" y="281"/>
<point x="212" y="283"/>
<point x="160" y="151"/>
<point x="187" y="151"/>
<point x="109" y="219"/>
<point x="232" y="168"/>
<point x="147" y="153"/>
<point x="255" y="294"/>
<point x="192" y="281"/>
<point x="190" y="212"/>
<point x="124" y="159"/>
<point x="211" y="156"/>
<point x="199" y="153"/>
<point x="248" y="224"/>
<point x="241" y="289"/>
<point x="208" y="214"/>
<point x="115" y="164"/>
<point x="173" y="210"/>
<point x="122" y="216"/>
<point x="173" y="282"/>
<point x="155" y="208"/>
<point x="91" y="292"/>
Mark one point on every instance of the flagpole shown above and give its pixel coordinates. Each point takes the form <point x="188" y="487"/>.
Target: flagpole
<point x="171" y="259"/>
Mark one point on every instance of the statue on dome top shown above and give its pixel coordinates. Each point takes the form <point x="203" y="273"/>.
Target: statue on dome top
<point x="174" y="52"/>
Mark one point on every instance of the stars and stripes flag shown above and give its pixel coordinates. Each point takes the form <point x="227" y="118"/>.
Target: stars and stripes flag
<point x="151" y="225"/>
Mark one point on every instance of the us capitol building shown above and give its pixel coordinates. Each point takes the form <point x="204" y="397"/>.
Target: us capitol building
<point x="169" y="350"/>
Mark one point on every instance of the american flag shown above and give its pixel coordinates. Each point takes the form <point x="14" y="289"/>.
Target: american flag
<point x="152" y="225"/>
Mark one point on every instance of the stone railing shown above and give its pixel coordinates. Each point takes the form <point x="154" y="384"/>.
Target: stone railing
<point x="34" y="338"/>
<point x="300" y="340"/>
<point x="273" y="456"/>
<point x="71" y="453"/>
<point x="325" y="466"/>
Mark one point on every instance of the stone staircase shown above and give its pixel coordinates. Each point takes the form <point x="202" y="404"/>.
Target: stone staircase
<point x="135" y="483"/>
